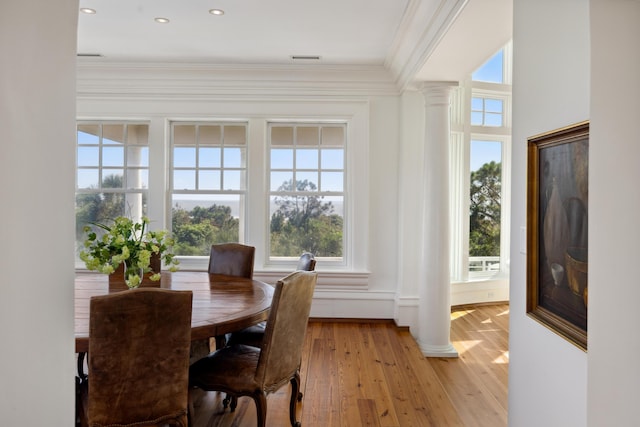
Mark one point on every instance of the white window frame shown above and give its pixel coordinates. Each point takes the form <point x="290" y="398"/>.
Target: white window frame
<point x="276" y="261"/>
<point x="461" y="136"/>
<point x="126" y="168"/>
<point x="197" y="262"/>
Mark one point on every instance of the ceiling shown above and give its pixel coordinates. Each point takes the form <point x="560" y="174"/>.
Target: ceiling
<point x="338" y="32"/>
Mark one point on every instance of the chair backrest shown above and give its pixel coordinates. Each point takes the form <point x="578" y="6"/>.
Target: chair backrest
<point x="307" y="262"/>
<point x="286" y="328"/>
<point x="232" y="259"/>
<point x="139" y="357"/>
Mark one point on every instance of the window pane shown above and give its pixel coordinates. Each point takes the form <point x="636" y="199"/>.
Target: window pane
<point x="112" y="178"/>
<point x="493" y="120"/>
<point x="210" y="157"/>
<point x="88" y="134"/>
<point x="232" y="180"/>
<point x="88" y="156"/>
<point x="209" y="180"/>
<point x="281" y="181"/>
<point x="281" y="135"/>
<point x="332" y="136"/>
<point x="209" y="135"/>
<point x="233" y="157"/>
<point x="311" y="178"/>
<point x="137" y="134"/>
<point x="137" y="178"/>
<point x="490" y="71"/>
<point x="235" y="135"/>
<point x="88" y="178"/>
<point x="493" y="105"/>
<point x="307" y="159"/>
<point x="332" y="159"/>
<point x="320" y="233"/>
<point x="307" y="135"/>
<point x="112" y="134"/>
<point x="138" y="156"/>
<point x="477" y="104"/>
<point x="112" y="156"/>
<point x="476" y="119"/>
<point x="485" y="205"/>
<point x="184" y="180"/>
<point x="200" y="220"/>
<point x="332" y="181"/>
<point x="184" y="135"/>
<point x="281" y="159"/>
<point x="184" y="157"/>
<point x="98" y="207"/>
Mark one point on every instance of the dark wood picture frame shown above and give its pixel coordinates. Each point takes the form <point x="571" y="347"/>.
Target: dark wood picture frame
<point x="557" y="226"/>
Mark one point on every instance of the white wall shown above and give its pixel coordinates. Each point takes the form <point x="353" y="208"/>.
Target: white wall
<point x="37" y="146"/>
<point x="614" y="203"/>
<point x="547" y="374"/>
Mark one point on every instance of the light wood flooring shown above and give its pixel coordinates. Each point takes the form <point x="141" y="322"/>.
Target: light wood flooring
<point x="373" y="374"/>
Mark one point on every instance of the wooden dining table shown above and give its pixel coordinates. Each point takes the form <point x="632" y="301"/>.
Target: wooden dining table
<point x="221" y="304"/>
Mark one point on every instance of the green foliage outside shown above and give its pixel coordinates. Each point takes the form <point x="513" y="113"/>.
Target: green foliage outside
<point x="304" y="223"/>
<point x="99" y="207"/>
<point x="196" y="230"/>
<point x="300" y="223"/>
<point x="484" y="227"/>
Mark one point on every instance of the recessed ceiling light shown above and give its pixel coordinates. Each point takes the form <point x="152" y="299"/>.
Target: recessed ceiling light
<point x="161" y="20"/>
<point x="88" y="11"/>
<point x="216" y="12"/>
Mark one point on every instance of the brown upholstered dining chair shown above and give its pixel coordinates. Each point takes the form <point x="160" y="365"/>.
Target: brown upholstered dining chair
<point x="138" y="359"/>
<point x="241" y="370"/>
<point x="232" y="259"/>
<point x="253" y="335"/>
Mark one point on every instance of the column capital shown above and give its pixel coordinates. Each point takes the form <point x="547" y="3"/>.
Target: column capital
<point x="437" y="92"/>
<point x="429" y="85"/>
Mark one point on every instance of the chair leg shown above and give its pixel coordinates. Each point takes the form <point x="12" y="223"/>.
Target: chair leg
<point x="190" y="406"/>
<point x="300" y="395"/>
<point x="221" y="341"/>
<point x="295" y="392"/>
<point x="231" y="401"/>
<point x="260" y="398"/>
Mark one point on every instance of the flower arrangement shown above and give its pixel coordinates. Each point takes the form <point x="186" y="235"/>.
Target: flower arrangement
<point x="130" y="243"/>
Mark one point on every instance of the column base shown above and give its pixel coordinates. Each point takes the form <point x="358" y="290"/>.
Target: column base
<point x="438" y="350"/>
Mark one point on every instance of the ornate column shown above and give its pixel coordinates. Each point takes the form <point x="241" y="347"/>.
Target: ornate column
<point x="435" y="299"/>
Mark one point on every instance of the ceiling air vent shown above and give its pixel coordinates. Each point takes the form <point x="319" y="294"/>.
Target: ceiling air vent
<point x="305" y="57"/>
<point x="89" y="55"/>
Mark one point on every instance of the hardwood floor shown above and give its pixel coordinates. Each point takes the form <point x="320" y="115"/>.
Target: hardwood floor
<point x="373" y="374"/>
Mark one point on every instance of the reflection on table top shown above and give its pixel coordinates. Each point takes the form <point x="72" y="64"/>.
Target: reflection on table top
<point x="221" y="304"/>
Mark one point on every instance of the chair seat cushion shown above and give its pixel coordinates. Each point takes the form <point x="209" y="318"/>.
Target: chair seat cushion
<point x="253" y="335"/>
<point x="230" y="369"/>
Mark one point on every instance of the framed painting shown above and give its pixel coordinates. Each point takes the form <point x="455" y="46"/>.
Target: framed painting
<point x="557" y="231"/>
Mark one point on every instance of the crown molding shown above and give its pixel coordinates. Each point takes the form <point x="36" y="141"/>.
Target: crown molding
<point x="423" y="27"/>
<point x="98" y="77"/>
